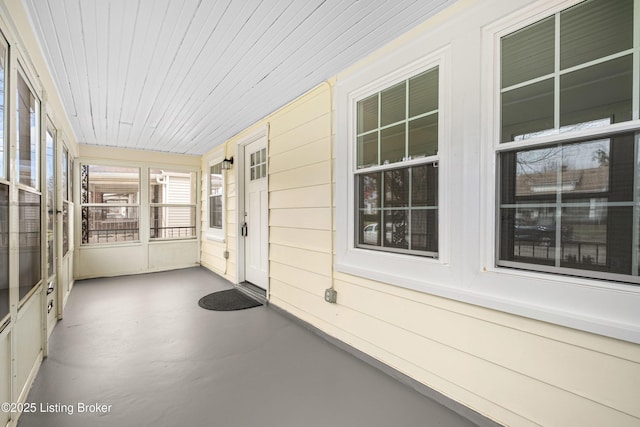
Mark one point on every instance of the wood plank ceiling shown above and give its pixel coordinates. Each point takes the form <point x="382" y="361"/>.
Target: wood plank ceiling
<point x="183" y="76"/>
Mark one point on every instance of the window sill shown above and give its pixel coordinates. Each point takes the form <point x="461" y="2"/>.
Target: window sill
<point x="214" y="238"/>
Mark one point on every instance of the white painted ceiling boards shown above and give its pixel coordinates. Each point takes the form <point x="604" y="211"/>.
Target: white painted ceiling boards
<point x="183" y="76"/>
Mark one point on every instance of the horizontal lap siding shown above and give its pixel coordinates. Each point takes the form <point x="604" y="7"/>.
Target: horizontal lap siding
<point x="482" y="353"/>
<point x="212" y="251"/>
<point x="516" y="370"/>
<point x="300" y="197"/>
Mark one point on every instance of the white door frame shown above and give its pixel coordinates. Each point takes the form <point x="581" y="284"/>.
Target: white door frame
<point x="239" y="162"/>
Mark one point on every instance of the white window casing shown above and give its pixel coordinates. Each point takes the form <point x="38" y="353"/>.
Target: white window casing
<point x="606" y="307"/>
<point x="466" y="269"/>
<point x="214" y="233"/>
<point x="406" y="270"/>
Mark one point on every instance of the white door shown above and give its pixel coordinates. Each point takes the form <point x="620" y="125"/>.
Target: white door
<point x="256" y="218"/>
<point x="51" y="219"/>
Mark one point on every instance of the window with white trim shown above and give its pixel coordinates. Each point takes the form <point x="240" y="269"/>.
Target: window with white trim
<point x="396" y="170"/>
<point x="569" y="150"/>
<point x="110" y="200"/>
<point x="215" y="202"/>
<point x="172" y="204"/>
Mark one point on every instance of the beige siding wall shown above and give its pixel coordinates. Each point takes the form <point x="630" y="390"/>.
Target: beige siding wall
<point x="515" y="370"/>
<point x="212" y="251"/>
<point x="300" y="197"/>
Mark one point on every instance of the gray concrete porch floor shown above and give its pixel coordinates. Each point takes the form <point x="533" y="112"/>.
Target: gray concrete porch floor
<point x="143" y="347"/>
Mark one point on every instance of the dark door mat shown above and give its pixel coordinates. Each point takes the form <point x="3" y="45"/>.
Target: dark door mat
<point x="228" y="300"/>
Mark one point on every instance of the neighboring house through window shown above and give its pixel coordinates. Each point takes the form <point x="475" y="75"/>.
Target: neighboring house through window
<point x="173" y="204"/>
<point x="110" y="197"/>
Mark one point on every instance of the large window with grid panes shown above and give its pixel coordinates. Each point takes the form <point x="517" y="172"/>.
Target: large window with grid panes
<point x="396" y="167"/>
<point x="110" y="200"/>
<point x="568" y="153"/>
<point x="172" y="204"/>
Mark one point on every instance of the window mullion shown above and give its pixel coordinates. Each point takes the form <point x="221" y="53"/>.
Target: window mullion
<point x="382" y="227"/>
<point x="635" y="241"/>
<point x="379" y="125"/>
<point x="558" y="212"/>
<point x="636" y="62"/>
<point x="556" y="75"/>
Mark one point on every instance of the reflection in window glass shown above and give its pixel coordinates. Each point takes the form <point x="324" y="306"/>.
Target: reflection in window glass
<point x="27" y="125"/>
<point x="398" y="209"/>
<point x="50" y="198"/>
<point x="173" y="209"/>
<point x="397" y="206"/>
<point x="569" y="205"/>
<point x="4" y="250"/>
<point x="110" y="197"/>
<point x="29" y="241"/>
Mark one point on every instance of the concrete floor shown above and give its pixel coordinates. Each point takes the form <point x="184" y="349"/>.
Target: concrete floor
<point x="141" y="346"/>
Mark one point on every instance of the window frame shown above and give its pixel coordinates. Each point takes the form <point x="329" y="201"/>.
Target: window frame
<point x="21" y="73"/>
<point x="604" y="307"/>
<point x="383" y="265"/>
<point x="558" y="137"/>
<point x="192" y="204"/>
<point x="214" y="233"/>
<point x="403" y="165"/>
<point x="5" y="117"/>
<point x="137" y="205"/>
